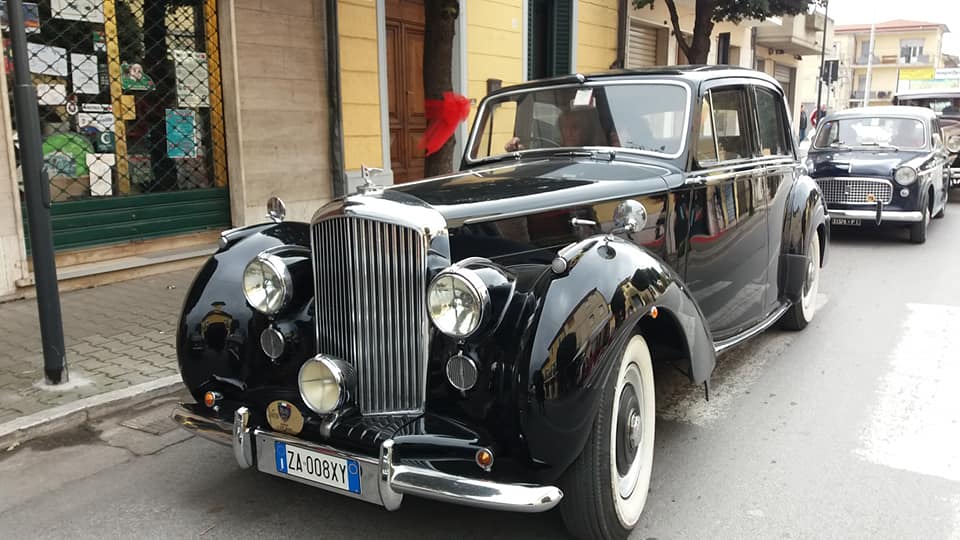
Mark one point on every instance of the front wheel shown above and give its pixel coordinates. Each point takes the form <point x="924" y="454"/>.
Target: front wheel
<point x="801" y="313"/>
<point x="918" y="231"/>
<point x="605" y="489"/>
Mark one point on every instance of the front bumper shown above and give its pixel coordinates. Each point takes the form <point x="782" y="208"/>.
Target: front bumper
<point x="896" y="216"/>
<point x="383" y="481"/>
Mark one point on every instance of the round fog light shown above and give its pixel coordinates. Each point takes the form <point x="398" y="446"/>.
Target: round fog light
<point x="272" y="343"/>
<point x="326" y="383"/>
<point x="904" y="192"/>
<point x="462" y="372"/>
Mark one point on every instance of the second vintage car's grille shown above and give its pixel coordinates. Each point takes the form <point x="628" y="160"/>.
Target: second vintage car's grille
<point x="856" y="190"/>
<point x="371" y="312"/>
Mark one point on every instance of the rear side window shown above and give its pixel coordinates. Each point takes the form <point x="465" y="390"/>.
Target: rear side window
<point x="772" y="123"/>
<point x="723" y="133"/>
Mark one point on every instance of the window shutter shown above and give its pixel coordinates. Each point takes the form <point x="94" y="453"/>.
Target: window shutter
<point x="562" y="28"/>
<point x="641" y="46"/>
<point x="530" y="39"/>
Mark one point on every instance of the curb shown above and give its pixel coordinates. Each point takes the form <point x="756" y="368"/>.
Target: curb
<point x="73" y="414"/>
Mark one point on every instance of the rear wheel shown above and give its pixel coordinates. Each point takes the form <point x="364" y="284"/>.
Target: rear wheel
<point x="605" y="489"/>
<point x="918" y="231"/>
<point x="801" y="313"/>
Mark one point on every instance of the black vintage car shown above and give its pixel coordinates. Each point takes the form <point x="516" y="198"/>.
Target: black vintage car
<point x="946" y="103"/>
<point x="882" y="165"/>
<point x="487" y="338"/>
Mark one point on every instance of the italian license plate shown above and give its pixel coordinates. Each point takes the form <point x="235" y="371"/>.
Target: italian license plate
<point x="845" y="221"/>
<point x="316" y="467"/>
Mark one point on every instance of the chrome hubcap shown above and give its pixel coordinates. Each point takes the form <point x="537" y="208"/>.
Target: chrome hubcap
<point x="629" y="434"/>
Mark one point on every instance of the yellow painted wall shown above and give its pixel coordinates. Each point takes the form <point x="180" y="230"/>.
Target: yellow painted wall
<point x="360" y="84"/>
<point x="494" y="46"/>
<point x="596" y="35"/>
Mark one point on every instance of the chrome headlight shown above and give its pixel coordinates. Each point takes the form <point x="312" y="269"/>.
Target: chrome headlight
<point x="456" y="301"/>
<point x="905" y="176"/>
<point x="326" y="383"/>
<point x="267" y="284"/>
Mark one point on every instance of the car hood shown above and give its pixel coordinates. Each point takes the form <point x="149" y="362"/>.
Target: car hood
<point x="529" y="187"/>
<point x="858" y="162"/>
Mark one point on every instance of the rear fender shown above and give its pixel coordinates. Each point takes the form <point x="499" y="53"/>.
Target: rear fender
<point x="805" y="216"/>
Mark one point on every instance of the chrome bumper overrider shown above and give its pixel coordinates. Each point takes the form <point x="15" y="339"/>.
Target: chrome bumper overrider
<point x="897" y="216"/>
<point x="955" y="177"/>
<point x="382" y="481"/>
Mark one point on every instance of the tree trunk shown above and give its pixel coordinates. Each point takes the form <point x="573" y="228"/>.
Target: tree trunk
<point x="699" y="48"/>
<point x="440" y="18"/>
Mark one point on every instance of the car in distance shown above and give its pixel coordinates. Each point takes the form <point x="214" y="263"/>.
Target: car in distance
<point x="882" y="166"/>
<point x="487" y="337"/>
<point x="946" y="103"/>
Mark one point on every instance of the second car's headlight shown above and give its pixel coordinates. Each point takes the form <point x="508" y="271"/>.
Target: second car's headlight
<point x="267" y="284"/>
<point x="905" y="176"/>
<point x="456" y="300"/>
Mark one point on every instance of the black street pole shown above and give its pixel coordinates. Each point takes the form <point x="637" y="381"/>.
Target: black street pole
<point x="37" y="192"/>
<point x="823" y="54"/>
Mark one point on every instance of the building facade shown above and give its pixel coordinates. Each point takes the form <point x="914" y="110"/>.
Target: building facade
<point x="902" y="49"/>
<point x="166" y="122"/>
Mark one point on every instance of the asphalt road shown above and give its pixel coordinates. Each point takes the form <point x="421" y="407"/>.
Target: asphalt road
<point x="850" y="429"/>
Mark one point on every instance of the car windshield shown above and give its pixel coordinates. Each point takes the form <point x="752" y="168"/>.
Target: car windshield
<point x="871" y="131"/>
<point x="940" y="104"/>
<point x="644" y="117"/>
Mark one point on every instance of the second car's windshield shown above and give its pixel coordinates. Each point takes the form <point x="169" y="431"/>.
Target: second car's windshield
<point x="642" y="117"/>
<point x="871" y="131"/>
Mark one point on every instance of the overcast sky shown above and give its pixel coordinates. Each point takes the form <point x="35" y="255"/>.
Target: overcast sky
<point x="942" y="11"/>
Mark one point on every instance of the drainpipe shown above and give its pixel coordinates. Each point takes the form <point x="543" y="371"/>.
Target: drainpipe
<point x="622" y="16"/>
<point x="338" y="175"/>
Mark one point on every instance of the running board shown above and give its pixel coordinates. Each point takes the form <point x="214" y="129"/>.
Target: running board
<point x="720" y="347"/>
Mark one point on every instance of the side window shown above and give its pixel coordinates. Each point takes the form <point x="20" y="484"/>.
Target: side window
<point x="772" y="123"/>
<point x="723" y="134"/>
<point x="706" y="144"/>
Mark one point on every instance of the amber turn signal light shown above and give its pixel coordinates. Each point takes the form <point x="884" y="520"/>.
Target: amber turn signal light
<point x="654" y="313"/>
<point x="211" y="398"/>
<point x="484" y="459"/>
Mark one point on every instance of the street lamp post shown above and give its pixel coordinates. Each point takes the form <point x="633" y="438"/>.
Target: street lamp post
<point x="823" y="53"/>
<point x="37" y="195"/>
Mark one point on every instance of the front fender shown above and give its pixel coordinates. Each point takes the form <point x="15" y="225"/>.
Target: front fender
<point x="805" y="214"/>
<point x="585" y="317"/>
<point x="218" y="332"/>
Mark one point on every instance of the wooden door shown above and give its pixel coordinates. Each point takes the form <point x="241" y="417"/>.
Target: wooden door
<point x="404" y="20"/>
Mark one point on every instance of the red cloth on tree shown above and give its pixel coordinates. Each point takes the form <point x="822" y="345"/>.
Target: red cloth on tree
<point x="443" y="117"/>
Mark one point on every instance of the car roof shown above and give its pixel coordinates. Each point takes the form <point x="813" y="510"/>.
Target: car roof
<point x="884" y="110"/>
<point x="929" y="92"/>
<point x="692" y="73"/>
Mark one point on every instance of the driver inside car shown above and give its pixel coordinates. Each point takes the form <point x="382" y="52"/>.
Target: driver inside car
<point x="578" y="127"/>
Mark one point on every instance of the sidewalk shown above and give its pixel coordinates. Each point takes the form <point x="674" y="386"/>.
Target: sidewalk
<point x="117" y="336"/>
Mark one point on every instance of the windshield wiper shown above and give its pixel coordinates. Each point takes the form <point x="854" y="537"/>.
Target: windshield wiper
<point x="878" y="145"/>
<point x="606" y="155"/>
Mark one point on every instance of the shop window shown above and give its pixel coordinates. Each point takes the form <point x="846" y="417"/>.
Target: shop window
<point x="129" y="95"/>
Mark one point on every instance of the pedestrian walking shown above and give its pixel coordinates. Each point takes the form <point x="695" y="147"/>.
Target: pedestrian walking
<point x="803" y="122"/>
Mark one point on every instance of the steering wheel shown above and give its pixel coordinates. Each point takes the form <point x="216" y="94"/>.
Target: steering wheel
<point x="543" y="142"/>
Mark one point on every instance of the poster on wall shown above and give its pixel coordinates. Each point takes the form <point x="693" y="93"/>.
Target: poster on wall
<point x="86" y="78"/>
<point x="193" y="85"/>
<point x="181" y="133"/>
<point x="47" y="60"/>
<point x="77" y="10"/>
<point x="31" y="17"/>
<point x="52" y="94"/>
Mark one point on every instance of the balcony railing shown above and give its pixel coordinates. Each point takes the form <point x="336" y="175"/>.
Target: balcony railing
<point x="894" y="60"/>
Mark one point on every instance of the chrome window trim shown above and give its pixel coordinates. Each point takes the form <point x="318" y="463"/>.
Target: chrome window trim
<point x="661" y="82"/>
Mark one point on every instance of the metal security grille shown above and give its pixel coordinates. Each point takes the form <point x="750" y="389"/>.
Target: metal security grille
<point x="371" y="308"/>
<point x="856" y="190"/>
<point x="130" y="103"/>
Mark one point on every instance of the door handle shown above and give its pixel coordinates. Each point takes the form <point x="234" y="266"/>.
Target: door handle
<point x="695" y="181"/>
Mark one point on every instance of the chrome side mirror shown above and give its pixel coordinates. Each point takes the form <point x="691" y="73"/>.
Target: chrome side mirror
<point x="629" y="217"/>
<point x="276" y="210"/>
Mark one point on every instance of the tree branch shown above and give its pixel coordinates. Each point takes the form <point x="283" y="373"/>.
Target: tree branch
<point x="677" y="32"/>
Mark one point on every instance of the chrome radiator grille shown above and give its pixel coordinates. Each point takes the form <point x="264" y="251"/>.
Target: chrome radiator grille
<point x="855" y="190"/>
<point x="371" y="308"/>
